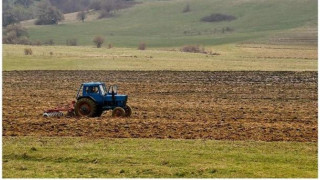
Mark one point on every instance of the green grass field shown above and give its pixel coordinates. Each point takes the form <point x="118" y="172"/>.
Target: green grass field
<point x="78" y="157"/>
<point x="232" y="58"/>
<point x="162" y="23"/>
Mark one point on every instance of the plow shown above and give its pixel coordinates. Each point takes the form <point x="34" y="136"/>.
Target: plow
<point x="92" y="100"/>
<point x="67" y="110"/>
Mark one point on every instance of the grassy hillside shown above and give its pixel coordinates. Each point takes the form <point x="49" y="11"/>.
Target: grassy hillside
<point x="79" y="157"/>
<point x="232" y="57"/>
<point x="162" y="23"/>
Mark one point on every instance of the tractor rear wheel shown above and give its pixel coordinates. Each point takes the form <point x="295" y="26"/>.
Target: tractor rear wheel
<point x="85" y="108"/>
<point x="118" y="112"/>
<point x="128" y="110"/>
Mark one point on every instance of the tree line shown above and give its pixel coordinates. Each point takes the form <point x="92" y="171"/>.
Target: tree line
<point x="51" y="11"/>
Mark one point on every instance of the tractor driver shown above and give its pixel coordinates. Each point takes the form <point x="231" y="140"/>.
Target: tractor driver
<point x="93" y="90"/>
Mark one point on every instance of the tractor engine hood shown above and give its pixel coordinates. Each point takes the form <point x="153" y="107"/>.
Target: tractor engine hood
<point x="117" y="97"/>
<point x="121" y="97"/>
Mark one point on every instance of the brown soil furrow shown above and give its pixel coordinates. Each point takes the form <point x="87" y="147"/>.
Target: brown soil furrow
<point x="267" y="106"/>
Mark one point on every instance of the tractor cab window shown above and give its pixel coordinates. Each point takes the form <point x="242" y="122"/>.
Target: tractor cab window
<point x="113" y="89"/>
<point x="103" y="90"/>
<point x="80" y="91"/>
<point x="92" y="89"/>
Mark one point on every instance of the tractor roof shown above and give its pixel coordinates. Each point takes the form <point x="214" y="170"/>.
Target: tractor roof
<point x="93" y="83"/>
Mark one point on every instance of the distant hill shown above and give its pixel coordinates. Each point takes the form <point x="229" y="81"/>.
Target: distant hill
<point x="161" y="23"/>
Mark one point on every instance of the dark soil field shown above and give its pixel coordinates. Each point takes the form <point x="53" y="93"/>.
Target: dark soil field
<point x="267" y="106"/>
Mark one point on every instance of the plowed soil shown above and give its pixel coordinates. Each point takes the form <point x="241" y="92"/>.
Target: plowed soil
<point x="267" y="106"/>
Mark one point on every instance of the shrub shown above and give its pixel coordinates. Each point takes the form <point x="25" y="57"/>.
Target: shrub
<point x="10" y="38"/>
<point x="98" y="41"/>
<point x="24" y="40"/>
<point x="15" y="34"/>
<point x="18" y="29"/>
<point x="36" y="43"/>
<point x="81" y="16"/>
<point x="28" y="51"/>
<point x="71" y="42"/>
<point x="142" y="46"/>
<point x="105" y="14"/>
<point x="48" y="14"/>
<point x="96" y="5"/>
<point x="192" y="49"/>
<point x="49" y="42"/>
<point x="197" y="49"/>
<point x="186" y="9"/>
<point x="227" y="29"/>
<point x="217" y="17"/>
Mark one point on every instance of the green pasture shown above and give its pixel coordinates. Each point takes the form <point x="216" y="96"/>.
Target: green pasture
<point x="162" y="23"/>
<point x="230" y="57"/>
<point x="48" y="157"/>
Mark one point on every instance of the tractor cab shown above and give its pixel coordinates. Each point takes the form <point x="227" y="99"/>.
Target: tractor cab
<point x="91" y="89"/>
<point x="95" y="96"/>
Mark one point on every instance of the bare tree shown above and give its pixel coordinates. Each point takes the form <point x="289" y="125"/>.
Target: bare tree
<point x="142" y="46"/>
<point x="82" y="15"/>
<point x="98" y="41"/>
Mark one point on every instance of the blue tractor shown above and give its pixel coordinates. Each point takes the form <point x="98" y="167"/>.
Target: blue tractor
<point x="93" y="98"/>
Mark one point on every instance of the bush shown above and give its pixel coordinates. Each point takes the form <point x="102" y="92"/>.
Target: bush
<point x="192" y="49"/>
<point x="96" y="5"/>
<point x="186" y="9"/>
<point x="216" y="17"/>
<point x="98" y="41"/>
<point x="18" y="29"/>
<point x="15" y="34"/>
<point x="10" y="38"/>
<point x="71" y="42"/>
<point x="105" y="14"/>
<point x="81" y="16"/>
<point x="36" y="43"/>
<point x="28" y="51"/>
<point x="197" y="49"/>
<point x="142" y="46"/>
<point x="48" y="14"/>
<point x="49" y="42"/>
<point x="24" y="40"/>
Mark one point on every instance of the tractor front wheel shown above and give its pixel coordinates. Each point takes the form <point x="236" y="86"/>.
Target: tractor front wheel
<point x="118" y="112"/>
<point x="85" y="108"/>
<point x="128" y="110"/>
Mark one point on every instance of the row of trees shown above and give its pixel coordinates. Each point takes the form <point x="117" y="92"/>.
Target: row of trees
<point x="51" y="11"/>
<point x="69" y="6"/>
<point x="15" y="11"/>
<point x="16" y="34"/>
